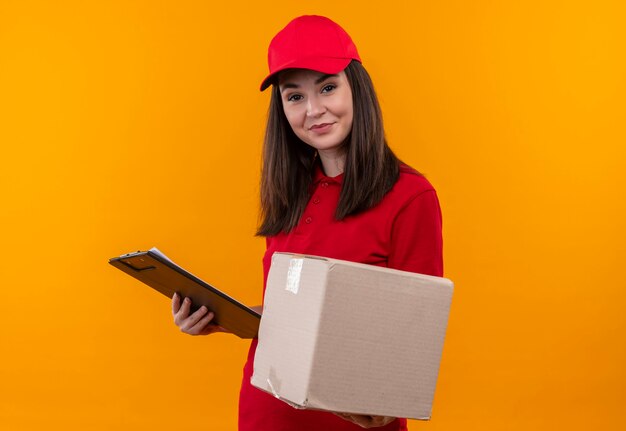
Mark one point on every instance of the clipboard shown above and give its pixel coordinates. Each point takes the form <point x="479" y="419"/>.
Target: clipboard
<point x="157" y="271"/>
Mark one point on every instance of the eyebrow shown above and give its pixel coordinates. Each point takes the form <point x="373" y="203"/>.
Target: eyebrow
<point x="317" y="81"/>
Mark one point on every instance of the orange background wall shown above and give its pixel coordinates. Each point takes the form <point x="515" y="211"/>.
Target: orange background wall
<point x="128" y="124"/>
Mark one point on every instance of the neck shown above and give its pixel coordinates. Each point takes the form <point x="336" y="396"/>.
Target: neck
<point x="333" y="162"/>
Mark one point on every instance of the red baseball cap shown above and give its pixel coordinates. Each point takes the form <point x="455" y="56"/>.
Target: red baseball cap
<point x="310" y="42"/>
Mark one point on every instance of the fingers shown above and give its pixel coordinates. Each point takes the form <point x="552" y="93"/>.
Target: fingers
<point x="361" y="420"/>
<point x="183" y="311"/>
<point x="366" y="421"/>
<point x="192" y="325"/>
<point x="379" y="421"/>
<point x="185" y="308"/>
<point x="197" y="323"/>
<point x="175" y="303"/>
<point x="193" y="319"/>
<point x="355" y="419"/>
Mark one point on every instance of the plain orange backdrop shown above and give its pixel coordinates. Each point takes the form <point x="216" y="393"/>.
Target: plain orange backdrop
<point x="128" y="124"/>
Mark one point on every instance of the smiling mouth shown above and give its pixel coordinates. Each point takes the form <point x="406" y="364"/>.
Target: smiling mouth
<point x="320" y="126"/>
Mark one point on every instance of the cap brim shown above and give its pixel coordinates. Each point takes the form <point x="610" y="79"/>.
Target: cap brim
<point x="322" y="65"/>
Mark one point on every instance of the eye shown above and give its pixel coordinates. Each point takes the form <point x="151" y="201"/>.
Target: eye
<point x="294" y="97"/>
<point x="329" y="87"/>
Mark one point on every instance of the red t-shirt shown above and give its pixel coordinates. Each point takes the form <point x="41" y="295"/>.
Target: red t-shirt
<point x="403" y="232"/>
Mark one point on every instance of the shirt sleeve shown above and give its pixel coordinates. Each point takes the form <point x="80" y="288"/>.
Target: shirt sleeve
<point x="416" y="238"/>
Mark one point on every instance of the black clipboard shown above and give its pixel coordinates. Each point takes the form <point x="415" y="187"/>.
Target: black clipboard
<point x="157" y="271"/>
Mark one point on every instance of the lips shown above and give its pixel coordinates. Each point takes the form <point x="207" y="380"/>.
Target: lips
<point x="320" y="127"/>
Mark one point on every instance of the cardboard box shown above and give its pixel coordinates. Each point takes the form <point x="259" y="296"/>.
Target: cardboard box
<point x="353" y="338"/>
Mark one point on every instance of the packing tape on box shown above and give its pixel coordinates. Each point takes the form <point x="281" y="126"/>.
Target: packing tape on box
<point x="293" y="275"/>
<point x="269" y="383"/>
<point x="295" y="406"/>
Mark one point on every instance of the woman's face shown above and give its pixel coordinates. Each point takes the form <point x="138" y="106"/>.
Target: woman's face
<point x="318" y="107"/>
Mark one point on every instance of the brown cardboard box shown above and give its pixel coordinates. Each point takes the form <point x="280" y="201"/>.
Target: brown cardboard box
<point x="348" y="337"/>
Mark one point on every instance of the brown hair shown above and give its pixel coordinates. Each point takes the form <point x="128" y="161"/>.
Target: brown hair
<point x="370" y="171"/>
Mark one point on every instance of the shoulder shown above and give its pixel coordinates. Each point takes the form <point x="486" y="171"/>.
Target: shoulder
<point x="411" y="188"/>
<point x="410" y="184"/>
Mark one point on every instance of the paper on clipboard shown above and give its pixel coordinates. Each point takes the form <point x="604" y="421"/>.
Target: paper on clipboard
<point x="161" y="254"/>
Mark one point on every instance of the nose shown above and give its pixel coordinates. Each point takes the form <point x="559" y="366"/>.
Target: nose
<point x="315" y="107"/>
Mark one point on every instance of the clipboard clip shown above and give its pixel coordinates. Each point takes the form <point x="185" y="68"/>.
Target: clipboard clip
<point x="137" y="266"/>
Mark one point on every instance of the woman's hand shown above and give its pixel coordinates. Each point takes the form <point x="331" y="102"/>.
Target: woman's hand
<point x="367" y="421"/>
<point x="197" y="323"/>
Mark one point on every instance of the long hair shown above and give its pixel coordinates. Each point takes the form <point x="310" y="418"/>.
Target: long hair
<point x="371" y="168"/>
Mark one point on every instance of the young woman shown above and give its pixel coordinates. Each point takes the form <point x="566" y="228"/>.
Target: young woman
<point x="330" y="186"/>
